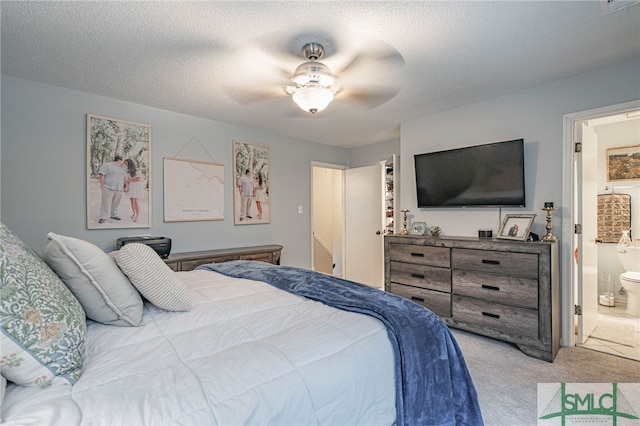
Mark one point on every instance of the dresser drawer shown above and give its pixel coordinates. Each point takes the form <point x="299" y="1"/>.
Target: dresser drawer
<point x="499" y="288"/>
<point x="261" y="257"/>
<point x="421" y="276"/>
<point x="508" y="319"/>
<point x="424" y="255"/>
<point x="439" y="303"/>
<point x="496" y="262"/>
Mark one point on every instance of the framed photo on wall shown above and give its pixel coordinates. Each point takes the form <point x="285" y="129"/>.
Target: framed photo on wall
<point x="252" y="183"/>
<point x="623" y="163"/>
<point x="516" y="227"/>
<point x="118" y="173"/>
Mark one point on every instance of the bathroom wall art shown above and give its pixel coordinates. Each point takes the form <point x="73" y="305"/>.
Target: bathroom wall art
<point x="614" y="216"/>
<point x="623" y="163"/>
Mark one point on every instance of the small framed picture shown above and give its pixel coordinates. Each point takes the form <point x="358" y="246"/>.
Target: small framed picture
<point x="516" y="227"/>
<point x="418" y="228"/>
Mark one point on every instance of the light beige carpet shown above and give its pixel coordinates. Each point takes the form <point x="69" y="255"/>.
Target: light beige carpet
<point x="507" y="380"/>
<point x="619" y="330"/>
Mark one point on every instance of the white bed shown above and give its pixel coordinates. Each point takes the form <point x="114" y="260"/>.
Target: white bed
<point x="94" y="339"/>
<point x="225" y="362"/>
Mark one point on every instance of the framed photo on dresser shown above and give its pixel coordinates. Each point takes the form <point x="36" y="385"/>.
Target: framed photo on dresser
<point x="516" y="227"/>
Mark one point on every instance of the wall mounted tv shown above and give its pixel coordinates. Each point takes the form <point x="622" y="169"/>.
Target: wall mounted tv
<point x="489" y="175"/>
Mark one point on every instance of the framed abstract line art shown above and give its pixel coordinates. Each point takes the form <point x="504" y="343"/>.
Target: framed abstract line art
<point x="623" y="163"/>
<point x="118" y="173"/>
<point x="251" y="183"/>
<point x="516" y="227"/>
<point x="193" y="190"/>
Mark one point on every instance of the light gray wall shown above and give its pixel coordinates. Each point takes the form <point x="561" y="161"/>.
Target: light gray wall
<point x="43" y="171"/>
<point x="374" y="153"/>
<point x="536" y="115"/>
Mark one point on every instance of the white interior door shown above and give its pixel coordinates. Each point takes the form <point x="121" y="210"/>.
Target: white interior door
<point x="587" y="208"/>
<point x="364" y="251"/>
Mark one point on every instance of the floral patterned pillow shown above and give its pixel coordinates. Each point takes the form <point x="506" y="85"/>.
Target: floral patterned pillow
<point x="43" y="325"/>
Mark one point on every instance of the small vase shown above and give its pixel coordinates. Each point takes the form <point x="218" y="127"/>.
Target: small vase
<point x="625" y="240"/>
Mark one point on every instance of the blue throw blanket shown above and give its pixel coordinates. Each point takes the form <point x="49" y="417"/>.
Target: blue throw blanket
<point x="433" y="385"/>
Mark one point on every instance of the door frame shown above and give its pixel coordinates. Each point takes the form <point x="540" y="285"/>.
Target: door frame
<point x="342" y="212"/>
<point x="568" y="215"/>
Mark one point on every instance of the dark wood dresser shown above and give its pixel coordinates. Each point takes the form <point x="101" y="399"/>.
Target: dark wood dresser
<point x="190" y="260"/>
<point x="503" y="289"/>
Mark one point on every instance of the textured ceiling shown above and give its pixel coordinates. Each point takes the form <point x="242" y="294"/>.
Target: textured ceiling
<point x="229" y="61"/>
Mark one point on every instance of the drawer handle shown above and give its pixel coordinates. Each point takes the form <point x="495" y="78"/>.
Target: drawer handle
<point x="490" y="287"/>
<point x="417" y="299"/>
<point x="491" y="262"/>
<point x="417" y="254"/>
<point x="488" y="314"/>
<point x="419" y="276"/>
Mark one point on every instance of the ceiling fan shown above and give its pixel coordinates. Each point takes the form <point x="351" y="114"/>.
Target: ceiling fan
<point x="364" y="77"/>
<point x="313" y="85"/>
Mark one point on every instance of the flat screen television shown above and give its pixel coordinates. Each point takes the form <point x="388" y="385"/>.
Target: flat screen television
<point x="489" y="175"/>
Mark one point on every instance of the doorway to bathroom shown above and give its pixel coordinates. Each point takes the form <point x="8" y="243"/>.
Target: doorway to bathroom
<point x="590" y="262"/>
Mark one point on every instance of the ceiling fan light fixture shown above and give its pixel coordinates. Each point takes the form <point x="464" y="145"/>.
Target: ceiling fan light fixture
<point x="313" y="99"/>
<point x="313" y="84"/>
<point x="313" y="72"/>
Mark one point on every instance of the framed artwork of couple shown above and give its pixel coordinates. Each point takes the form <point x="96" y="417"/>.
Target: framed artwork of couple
<point x="118" y="173"/>
<point x="252" y="184"/>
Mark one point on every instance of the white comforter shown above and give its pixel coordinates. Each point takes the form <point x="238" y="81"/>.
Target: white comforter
<point x="247" y="353"/>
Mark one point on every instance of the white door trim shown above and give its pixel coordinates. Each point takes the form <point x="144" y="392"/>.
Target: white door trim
<point x="567" y="294"/>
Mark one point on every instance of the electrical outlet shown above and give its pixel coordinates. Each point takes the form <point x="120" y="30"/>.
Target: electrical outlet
<point x="300" y="210"/>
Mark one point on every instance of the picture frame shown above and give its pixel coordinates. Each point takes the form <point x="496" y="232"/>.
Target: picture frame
<point x="193" y="190"/>
<point x="122" y="197"/>
<point x="516" y="227"/>
<point x="252" y="174"/>
<point x="623" y="163"/>
<point x="418" y="228"/>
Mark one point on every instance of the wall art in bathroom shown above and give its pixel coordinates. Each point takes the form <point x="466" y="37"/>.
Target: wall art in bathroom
<point x="623" y="163"/>
<point x="614" y="216"/>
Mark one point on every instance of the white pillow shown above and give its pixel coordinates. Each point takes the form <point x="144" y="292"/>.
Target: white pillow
<point x="153" y="278"/>
<point x="93" y="277"/>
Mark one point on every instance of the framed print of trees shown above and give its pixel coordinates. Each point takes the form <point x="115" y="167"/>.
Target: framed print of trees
<point x="252" y="183"/>
<point x="118" y="173"/>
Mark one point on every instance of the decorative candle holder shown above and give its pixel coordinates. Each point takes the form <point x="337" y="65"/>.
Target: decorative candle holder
<point x="549" y="209"/>
<point x="404" y="230"/>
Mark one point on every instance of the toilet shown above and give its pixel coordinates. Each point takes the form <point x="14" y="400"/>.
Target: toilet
<point x="630" y="279"/>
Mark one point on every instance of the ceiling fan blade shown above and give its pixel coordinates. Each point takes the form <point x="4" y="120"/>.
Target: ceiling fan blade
<point x="378" y="55"/>
<point x="369" y="99"/>
<point x="278" y="46"/>
<point x="246" y="96"/>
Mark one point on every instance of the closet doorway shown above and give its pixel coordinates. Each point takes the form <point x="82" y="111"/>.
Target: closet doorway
<point x="590" y="267"/>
